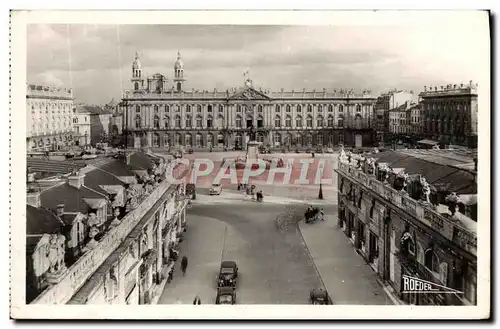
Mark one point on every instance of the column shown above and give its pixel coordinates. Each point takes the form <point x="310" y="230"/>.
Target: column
<point x="150" y="139"/>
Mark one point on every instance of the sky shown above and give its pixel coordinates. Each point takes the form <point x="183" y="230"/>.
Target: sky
<point x="96" y="60"/>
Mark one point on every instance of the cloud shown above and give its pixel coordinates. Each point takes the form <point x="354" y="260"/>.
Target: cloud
<point x="96" y="59"/>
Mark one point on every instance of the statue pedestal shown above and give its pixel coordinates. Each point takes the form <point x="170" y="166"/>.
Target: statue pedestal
<point x="55" y="278"/>
<point x="252" y="151"/>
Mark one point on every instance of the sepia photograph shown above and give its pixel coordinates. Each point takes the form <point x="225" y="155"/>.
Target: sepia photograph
<point x="293" y="165"/>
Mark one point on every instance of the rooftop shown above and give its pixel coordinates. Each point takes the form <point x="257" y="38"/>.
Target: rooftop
<point x="93" y="110"/>
<point x="71" y="197"/>
<point x="41" y="221"/>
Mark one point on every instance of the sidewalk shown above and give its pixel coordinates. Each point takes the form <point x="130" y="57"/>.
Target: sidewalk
<point x="230" y="197"/>
<point x="346" y="276"/>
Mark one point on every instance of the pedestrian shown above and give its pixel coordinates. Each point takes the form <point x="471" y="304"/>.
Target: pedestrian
<point x="184" y="264"/>
<point x="197" y="300"/>
<point x="322" y="214"/>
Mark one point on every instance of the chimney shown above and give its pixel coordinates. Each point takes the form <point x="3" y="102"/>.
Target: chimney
<point x="76" y="180"/>
<point x="33" y="198"/>
<point x="60" y="210"/>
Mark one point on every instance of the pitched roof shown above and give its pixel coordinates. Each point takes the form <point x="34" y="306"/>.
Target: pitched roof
<point x="117" y="168"/>
<point x="140" y="161"/>
<point x="71" y="197"/>
<point x="437" y="174"/>
<point x="52" y="166"/>
<point x="97" y="177"/>
<point x="92" y="109"/>
<point x="42" y="220"/>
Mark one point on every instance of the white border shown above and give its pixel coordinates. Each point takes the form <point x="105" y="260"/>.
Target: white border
<point x="18" y="75"/>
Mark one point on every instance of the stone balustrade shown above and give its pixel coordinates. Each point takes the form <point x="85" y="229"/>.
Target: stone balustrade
<point x="78" y="273"/>
<point x="448" y="227"/>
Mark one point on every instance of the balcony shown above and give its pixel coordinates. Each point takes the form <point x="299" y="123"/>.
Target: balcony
<point x="450" y="228"/>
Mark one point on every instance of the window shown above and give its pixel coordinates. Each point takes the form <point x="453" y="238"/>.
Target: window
<point x="238" y="109"/>
<point x="278" y="109"/>
<point x="260" y="122"/>
<point x="188" y="140"/>
<point x="372" y="208"/>
<point x="156" y="122"/>
<point x="137" y="122"/>
<point x="220" y="121"/>
<point x="299" y="108"/>
<point x="260" y="138"/>
<point x="309" y="122"/>
<point x="209" y="108"/>
<point x="288" y="121"/>
<point x="340" y="122"/>
<point x="431" y="261"/>
<point x="341" y="108"/>
<point x="277" y="121"/>
<point x="167" y="108"/>
<point x="188" y="121"/>
<point x="199" y="109"/>
<point x="298" y="121"/>
<point x="178" y="108"/>
<point x="238" y="121"/>
<point x="358" y="108"/>
<point x="209" y="122"/>
<point x="167" y="122"/>
<point x="320" y="108"/>
<point x="320" y="121"/>
<point x="156" y="109"/>
<point x="309" y="108"/>
<point x="330" y="121"/>
<point x="137" y="109"/>
<point x="188" y="109"/>
<point x="277" y="139"/>
<point x="221" y="109"/>
<point x="259" y="109"/>
<point x="198" y="122"/>
<point x="177" y="121"/>
<point x="199" y="140"/>
<point x="136" y="86"/>
<point x="288" y="108"/>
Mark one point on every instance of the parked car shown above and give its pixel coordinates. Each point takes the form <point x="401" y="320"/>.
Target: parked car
<point x="228" y="274"/>
<point x="226" y="296"/>
<point x="319" y="297"/>
<point x="216" y="189"/>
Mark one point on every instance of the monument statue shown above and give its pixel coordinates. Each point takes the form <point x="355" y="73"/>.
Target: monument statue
<point x="252" y="133"/>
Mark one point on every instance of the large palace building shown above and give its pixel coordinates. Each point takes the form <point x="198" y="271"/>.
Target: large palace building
<point x="156" y="115"/>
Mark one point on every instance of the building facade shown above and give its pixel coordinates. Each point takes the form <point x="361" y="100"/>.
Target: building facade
<point x="450" y="114"/>
<point x="385" y="103"/>
<point x="49" y="118"/>
<point x="81" y="126"/>
<point x="401" y="228"/>
<point x="158" y="116"/>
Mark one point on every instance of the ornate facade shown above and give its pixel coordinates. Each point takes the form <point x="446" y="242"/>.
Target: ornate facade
<point x="450" y="114"/>
<point x="158" y="116"/>
<point x="49" y="118"/>
<point x="404" y="226"/>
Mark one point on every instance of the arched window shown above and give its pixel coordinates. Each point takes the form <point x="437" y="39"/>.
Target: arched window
<point x="288" y="121"/>
<point x="358" y="108"/>
<point x="309" y="121"/>
<point x="340" y="122"/>
<point x="156" y="122"/>
<point x="298" y="121"/>
<point x="309" y="139"/>
<point x="178" y="108"/>
<point x="309" y="108"/>
<point x="177" y="121"/>
<point x="288" y="108"/>
<point x="166" y="140"/>
<point x="199" y="140"/>
<point x="260" y="138"/>
<point x="278" y="109"/>
<point x="260" y="122"/>
<point x="209" y="121"/>
<point x="220" y="121"/>
<point x="136" y="86"/>
<point x="188" y="139"/>
<point x="199" y="121"/>
<point x="330" y="121"/>
<point x="319" y="121"/>
<point x="431" y="261"/>
<point x="167" y="108"/>
<point x="238" y="109"/>
<point x="189" y="121"/>
<point x="277" y="139"/>
<point x="156" y="108"/>
<point x="320" y="139"/>
<point x="167" y="122"/>
<point x="209" y="108"/>
<point x="199" y="109"/>
<point x="259" y="109"/>
<point x="358" y="121"/>
<point x="299" y="108"/>
<point x="156" y="140"/>
<point x="341" y="108"/>
<point x="137" y="109"/>
<point x="238" y="121"/>
<point x="188" y="108"/>
<point x="138" y="121"/>
<point x="177" y="139"/>
<point x="221" y="109"/>
<point x="277" y="121"/>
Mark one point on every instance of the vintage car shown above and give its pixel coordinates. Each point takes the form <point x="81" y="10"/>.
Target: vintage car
<point x="319" y="297"/>
<point x="228" y="274"/>
<point x="215" y="189"/>
<point x="226" y="295"/>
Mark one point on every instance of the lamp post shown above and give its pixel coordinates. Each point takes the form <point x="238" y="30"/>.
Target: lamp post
<point x="320" y="196"/>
